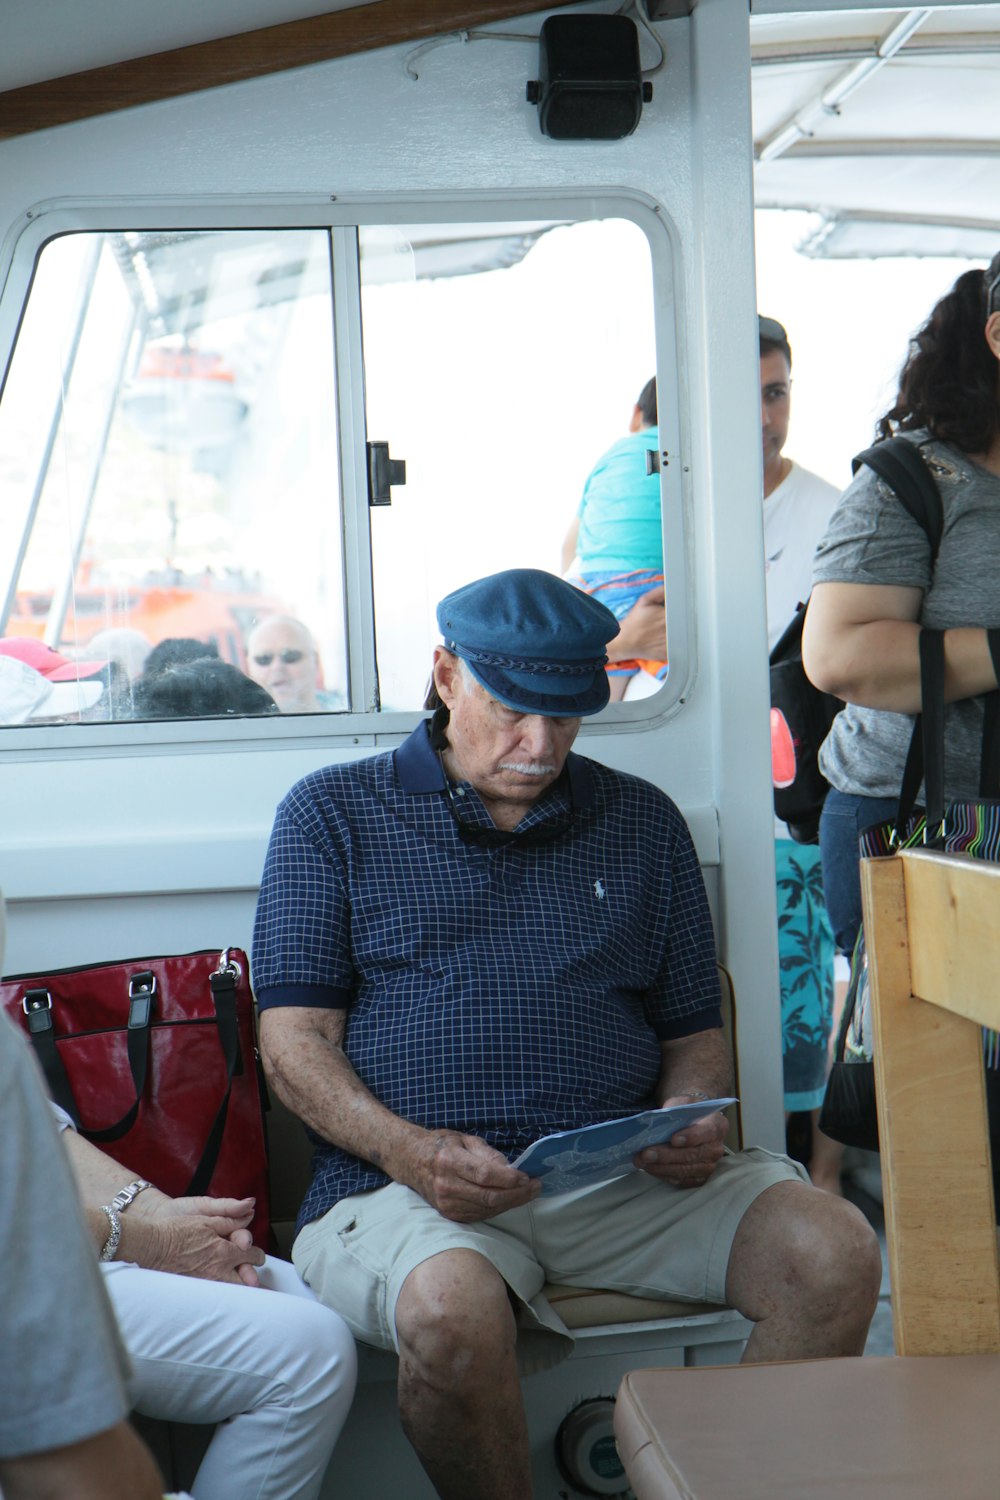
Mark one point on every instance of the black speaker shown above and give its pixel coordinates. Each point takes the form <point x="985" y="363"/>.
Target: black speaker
<point x="590" y="85"/>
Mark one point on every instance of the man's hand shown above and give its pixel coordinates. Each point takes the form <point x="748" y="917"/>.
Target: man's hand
<point x="690" y="1157"/>
<point x="643" y="631"/>
<point x="466" y="1180"/>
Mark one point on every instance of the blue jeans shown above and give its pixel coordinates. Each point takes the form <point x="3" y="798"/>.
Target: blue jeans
<point x="844" y="819"/>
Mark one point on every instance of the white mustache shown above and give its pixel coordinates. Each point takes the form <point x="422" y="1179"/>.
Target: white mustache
<point x="527" y="768"/>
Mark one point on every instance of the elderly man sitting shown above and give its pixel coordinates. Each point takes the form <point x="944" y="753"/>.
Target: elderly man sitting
<point x="478" y="939"/>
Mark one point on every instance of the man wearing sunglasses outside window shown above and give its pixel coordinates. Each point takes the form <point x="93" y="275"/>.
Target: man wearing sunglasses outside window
<point x="282" y="657"/>
<point x="481" y="938"/>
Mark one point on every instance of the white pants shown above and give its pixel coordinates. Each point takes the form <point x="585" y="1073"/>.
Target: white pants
<point x="273" y="1368"/>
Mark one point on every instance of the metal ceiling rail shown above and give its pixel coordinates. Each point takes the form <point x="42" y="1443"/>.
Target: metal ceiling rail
<point x="898" y="146"/>
<point x="833" y="96"/>
<point x="791" y="54"/>
<point x="855" y="216"/>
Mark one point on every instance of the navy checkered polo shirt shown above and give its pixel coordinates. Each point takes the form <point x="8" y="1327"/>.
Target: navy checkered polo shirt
<point x="501" y="992"/>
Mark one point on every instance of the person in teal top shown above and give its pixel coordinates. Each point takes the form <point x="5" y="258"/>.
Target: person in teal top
<point x="614" y="548"/>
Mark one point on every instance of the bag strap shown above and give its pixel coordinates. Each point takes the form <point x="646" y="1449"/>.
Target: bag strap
<point x="789" y="643"/>
<point x="925" y="756"/>
<point x="223" y="984"/>
<point x="38" y="1007"/>
<point x="898" y="462"/>
<point x="851" y="998"/>
<point x="141" y="999"/>
<point x="989" y="765"/>
<point x="931" y="719"/>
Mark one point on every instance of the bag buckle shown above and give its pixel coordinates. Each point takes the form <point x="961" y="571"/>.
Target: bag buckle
<point x="141" y="992"/>
<point x="37" y="1006"/>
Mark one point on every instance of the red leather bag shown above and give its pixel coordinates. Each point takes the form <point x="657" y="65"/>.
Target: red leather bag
<point x="156" y="1061"/>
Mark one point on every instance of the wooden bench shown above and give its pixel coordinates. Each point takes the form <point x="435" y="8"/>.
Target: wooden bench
<point x="878" y="1427"/>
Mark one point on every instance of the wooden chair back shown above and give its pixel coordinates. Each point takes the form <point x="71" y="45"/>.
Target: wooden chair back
<point x="932" y="929"/>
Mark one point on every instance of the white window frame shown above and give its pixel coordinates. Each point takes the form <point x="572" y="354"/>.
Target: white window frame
<point x="369" y="727"/>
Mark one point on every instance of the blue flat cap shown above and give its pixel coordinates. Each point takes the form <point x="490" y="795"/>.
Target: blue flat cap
<point x="531" y="640"/>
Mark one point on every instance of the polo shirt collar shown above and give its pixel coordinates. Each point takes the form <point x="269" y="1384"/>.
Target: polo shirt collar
<point x="419" y="771"/>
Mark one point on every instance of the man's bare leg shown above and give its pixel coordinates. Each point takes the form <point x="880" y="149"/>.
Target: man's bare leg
<point x="805" y="1267"/>
<point x="459" y="1393"/>
<point x="826" y="1158"/>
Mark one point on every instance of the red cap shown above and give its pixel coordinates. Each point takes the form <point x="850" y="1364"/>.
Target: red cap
<point x="52" y="664"/>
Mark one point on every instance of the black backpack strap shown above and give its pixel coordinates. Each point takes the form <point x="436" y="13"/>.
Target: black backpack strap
<point x="789" y="643"/>
<point x="898" y="462"/>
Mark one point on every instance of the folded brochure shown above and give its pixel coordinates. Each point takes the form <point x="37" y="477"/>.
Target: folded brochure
<point x="578" y="1158"/>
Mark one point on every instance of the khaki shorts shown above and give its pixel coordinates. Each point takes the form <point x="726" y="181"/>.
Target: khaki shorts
<point x="634" y="1234"/>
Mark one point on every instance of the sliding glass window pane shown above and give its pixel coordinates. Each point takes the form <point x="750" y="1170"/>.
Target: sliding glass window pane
<point x="501" y="362"/>
<point x="168" y="455"/>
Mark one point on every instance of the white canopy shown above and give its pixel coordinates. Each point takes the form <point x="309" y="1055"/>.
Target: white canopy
<point x="884" y="121"/>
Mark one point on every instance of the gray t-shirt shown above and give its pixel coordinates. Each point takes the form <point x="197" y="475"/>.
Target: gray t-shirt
<point x="871" y="538"/>
<point x="62" y="1366"/>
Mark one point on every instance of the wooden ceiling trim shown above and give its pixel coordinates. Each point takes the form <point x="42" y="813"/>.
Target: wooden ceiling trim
<point x="251" y="54"/>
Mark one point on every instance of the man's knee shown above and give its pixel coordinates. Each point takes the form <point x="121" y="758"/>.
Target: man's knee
<point x="799" y="1243"/>
<point x="837" y="1252"/>
<point x="454" y="1317"/>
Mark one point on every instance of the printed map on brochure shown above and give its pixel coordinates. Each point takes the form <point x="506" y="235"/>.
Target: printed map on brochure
<point x="579" y="1158"/>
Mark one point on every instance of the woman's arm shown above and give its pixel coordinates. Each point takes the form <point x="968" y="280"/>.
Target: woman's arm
<point x="113" y="1465"/>
<point x="860" y="642"/>
<point x="203" y="1237"/>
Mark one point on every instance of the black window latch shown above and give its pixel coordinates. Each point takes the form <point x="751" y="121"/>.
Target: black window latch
<point x="383" y="473"/>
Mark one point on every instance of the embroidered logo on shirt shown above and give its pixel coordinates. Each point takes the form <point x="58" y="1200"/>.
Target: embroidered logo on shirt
<point x="598" y="890"/>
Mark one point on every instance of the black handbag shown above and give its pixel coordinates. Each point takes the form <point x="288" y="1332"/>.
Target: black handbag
<point x="848" y="1113"/>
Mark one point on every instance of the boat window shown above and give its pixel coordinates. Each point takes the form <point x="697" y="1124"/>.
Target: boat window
<point x="501" y="388"/>
<point x="240" y="466"/>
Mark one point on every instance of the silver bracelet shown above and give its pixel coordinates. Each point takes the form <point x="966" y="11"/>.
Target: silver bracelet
<point x="694" y="1094"/>
<point x="128" y="1194"/>
<point x="111" y="1243"/>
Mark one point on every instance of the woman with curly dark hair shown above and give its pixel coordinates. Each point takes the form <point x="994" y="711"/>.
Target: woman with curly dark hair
<point x="875" y="585"/>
